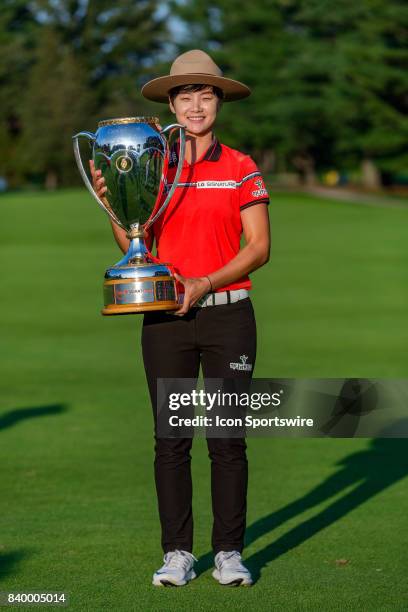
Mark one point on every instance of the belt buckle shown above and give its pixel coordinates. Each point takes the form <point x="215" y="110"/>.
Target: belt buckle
<point x="202" y="301"/>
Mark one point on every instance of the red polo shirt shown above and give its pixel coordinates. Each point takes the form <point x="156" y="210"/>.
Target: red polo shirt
<point x="200" y="230"/>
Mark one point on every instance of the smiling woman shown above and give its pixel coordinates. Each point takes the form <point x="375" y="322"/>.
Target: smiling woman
<point x="197" y="106"/>
<point x="220" y="196"/>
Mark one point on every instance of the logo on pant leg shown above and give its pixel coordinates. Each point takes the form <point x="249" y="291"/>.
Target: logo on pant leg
<point x="243" y="365"/>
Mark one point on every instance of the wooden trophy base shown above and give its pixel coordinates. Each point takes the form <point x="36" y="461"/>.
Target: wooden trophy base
<point x="136" y="296"/>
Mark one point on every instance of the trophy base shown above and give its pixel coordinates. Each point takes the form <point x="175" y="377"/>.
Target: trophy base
<point x="114" y="309"/>
<point x="134" y="289"/>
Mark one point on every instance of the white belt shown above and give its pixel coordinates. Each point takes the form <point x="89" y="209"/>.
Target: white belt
<point x="223" y="297"/>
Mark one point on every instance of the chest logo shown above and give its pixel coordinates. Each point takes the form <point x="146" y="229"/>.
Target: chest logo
<point x="216" y="185"/>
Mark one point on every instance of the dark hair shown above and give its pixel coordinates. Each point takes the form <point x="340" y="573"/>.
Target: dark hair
<point x="195" y="87"/>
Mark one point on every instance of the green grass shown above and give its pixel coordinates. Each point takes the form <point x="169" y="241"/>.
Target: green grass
<point x="77" y="499"/>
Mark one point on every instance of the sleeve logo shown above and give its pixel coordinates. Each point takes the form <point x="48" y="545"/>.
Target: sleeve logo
<point x="261" y="191"/>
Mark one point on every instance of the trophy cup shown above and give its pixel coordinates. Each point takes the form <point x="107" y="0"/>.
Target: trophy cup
<point x="133" y="156"/>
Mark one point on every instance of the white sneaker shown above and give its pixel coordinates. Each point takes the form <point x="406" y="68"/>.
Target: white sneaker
<point x="229" y="569"/>
<point x="177" y="569"/>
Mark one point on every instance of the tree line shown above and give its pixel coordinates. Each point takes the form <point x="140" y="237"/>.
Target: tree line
<point x="329" y="82"/>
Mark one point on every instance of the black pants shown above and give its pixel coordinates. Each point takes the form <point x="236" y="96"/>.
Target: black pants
<point x="174" y="347"/>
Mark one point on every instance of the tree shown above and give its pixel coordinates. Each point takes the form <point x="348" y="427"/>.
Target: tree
<point x="366" y="92"/>
<point x="115" y="43"/>
<point x="328" y="85"/>
<point x="77" y="62"/>
<point x="17" y="36"/>
<point x="57" y="104"/>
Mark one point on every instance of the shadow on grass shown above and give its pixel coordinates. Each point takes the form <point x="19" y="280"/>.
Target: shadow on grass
<point x="371" y="470"/>
<point x="12" y="417"/>
<point x="10" y="561"/>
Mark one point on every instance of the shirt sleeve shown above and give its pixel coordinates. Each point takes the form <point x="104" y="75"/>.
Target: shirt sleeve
<point x="251" y="186"/>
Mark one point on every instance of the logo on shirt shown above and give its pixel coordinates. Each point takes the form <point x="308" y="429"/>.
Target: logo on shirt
<point x="243" y="365"/>
<point x="216" y="185"/>
<point x="261" y="191"/>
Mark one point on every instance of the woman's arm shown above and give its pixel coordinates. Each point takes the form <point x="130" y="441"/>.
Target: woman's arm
<point x="120" y="236"/>
<point x="255" y="253"/>
<point x="123" y="241"/>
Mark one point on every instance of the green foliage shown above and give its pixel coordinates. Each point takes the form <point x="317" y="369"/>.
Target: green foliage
<point x="18" y="32"/>
<point x="329" y="84"/>
<point x="76" y="62"/>
<point x="56" y="106"/>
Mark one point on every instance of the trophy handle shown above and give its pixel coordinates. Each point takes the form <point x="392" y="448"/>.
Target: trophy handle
<point x="182" y="129"/>
<point x="91" y="138"/>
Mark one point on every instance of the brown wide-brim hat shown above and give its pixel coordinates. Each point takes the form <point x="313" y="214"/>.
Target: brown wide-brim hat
<point x="190" y="68"/>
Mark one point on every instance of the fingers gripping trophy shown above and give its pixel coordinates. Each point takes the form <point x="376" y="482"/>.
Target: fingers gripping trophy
<point x="133" y="156"/>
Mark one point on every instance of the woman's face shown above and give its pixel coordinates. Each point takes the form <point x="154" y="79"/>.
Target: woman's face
<point x="197" y="110"/>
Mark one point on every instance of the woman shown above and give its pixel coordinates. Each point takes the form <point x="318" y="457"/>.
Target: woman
<point x="221" y="195"/>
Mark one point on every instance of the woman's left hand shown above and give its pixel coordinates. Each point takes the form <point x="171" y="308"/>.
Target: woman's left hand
<point x="194" y="289"/>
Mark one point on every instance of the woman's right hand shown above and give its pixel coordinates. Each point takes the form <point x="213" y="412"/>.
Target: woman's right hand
<point x="98" y="181"/>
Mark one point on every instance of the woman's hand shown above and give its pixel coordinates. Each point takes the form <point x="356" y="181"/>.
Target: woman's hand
<point x="194" y="288"/>
<point x="98" y="181"/>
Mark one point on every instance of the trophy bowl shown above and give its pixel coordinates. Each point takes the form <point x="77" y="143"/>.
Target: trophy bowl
<point x="132" y="154"/>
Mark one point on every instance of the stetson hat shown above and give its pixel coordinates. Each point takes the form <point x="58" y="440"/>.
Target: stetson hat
<point x="194" y="67"/>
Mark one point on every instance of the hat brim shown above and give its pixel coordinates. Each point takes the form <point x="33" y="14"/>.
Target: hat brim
<point x="158" y="89"/>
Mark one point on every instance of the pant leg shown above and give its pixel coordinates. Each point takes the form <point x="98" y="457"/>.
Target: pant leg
<point x="225" y="334"/>
<point x="169" y="351"/>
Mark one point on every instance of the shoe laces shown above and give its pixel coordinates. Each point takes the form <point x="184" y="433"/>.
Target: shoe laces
<point x="230" y="560"/>
<point x="178" y="559"/>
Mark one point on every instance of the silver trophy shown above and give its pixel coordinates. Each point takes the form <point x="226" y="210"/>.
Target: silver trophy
<point x="133" y="156"/>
